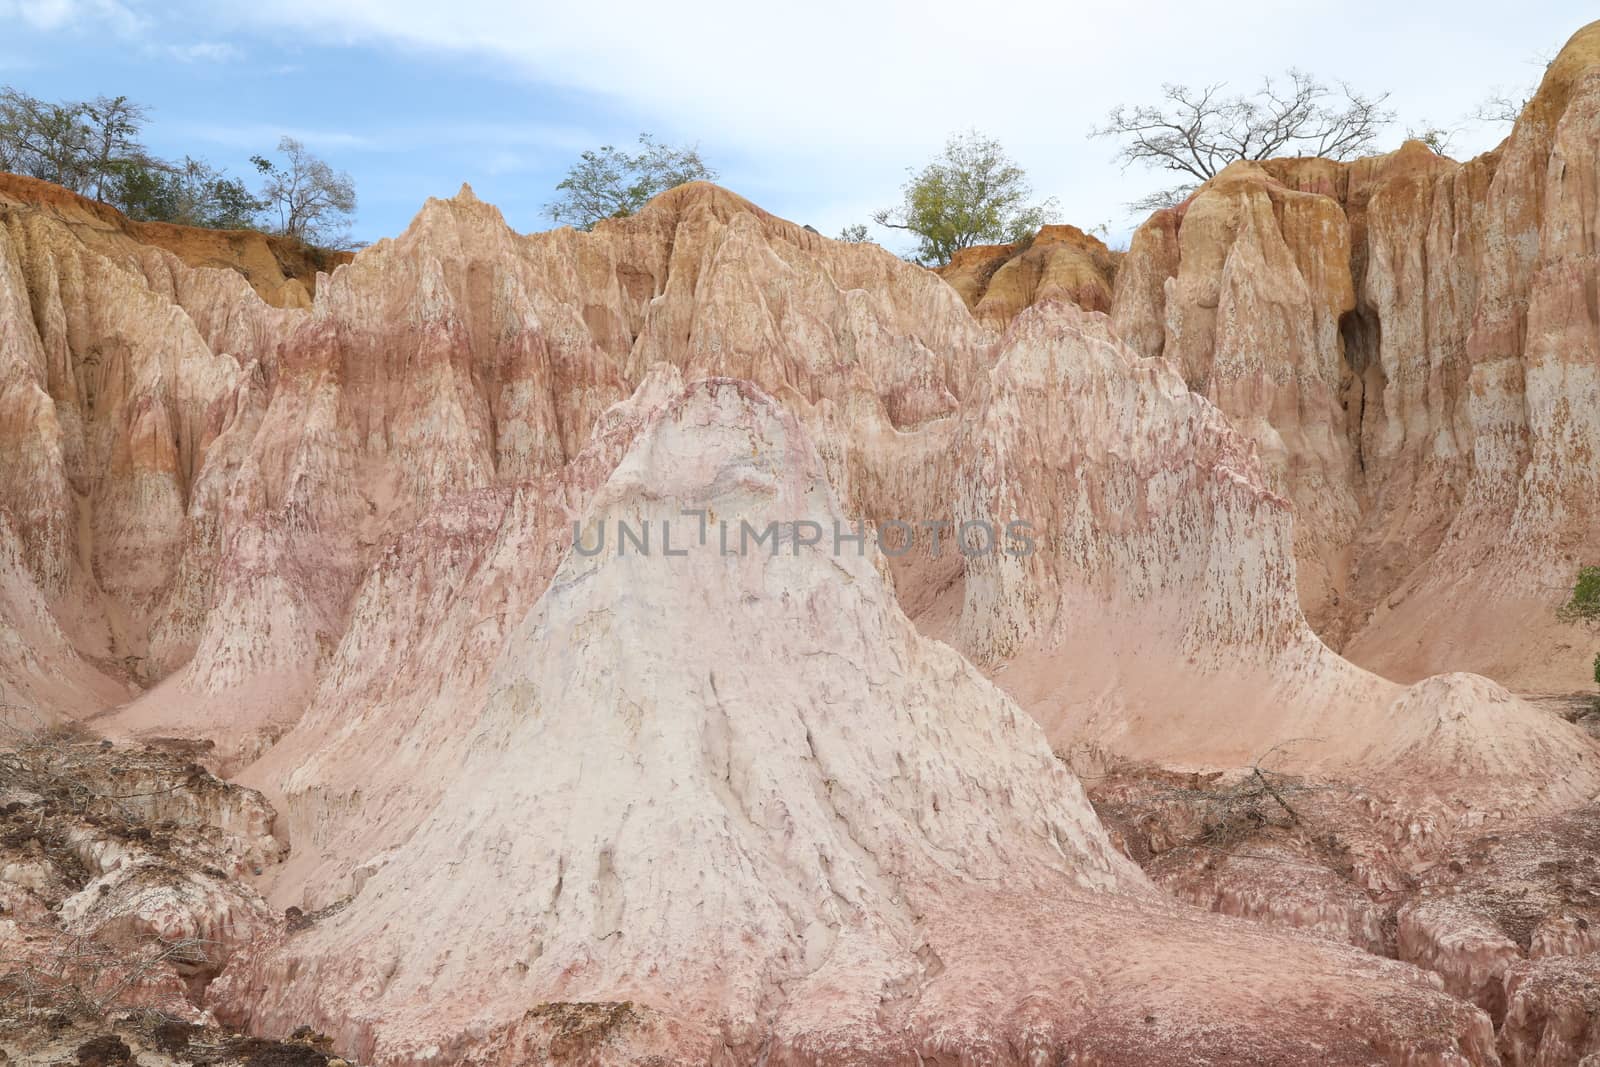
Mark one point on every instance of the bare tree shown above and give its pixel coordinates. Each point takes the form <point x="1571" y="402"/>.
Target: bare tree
<point x="1197" y="132"/>
<point x="1504" y="106"/>
<point x="1501" y="107"/>
<point x="313" y="201"/>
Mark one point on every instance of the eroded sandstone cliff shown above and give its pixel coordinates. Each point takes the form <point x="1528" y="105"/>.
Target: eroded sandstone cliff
<point x="1410" y="342"/>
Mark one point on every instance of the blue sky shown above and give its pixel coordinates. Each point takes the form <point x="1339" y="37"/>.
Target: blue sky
<point x="815" y="114"/>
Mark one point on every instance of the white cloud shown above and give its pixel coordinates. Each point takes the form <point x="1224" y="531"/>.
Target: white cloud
<point x="261" y="136"/>
<point x="60" y="14"/>
<point x="40" y="14"/>
<point x="204" y="51"/>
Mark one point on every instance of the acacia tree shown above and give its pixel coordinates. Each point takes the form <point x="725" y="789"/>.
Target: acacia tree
<point x="313" y="202"/>
<point x="971" y="194"/>
<point x="609" y="183"/>
<point x="1197" y="132"/>
<point x="1438" y="138"/>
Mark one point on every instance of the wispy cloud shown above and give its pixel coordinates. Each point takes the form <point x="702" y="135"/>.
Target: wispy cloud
<point x="204" y="51"/>
<point x="40" y="14"/>
<point x="124" y="20"/>
<point x="60" y="14"/>
<point x="257" y="135"/>
<point x="504" y="141"/>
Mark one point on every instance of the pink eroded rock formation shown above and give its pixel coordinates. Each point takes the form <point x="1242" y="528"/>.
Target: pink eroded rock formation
<point x="781" y="840"/>
<point x="202" y="480"/>
<point x="111" y="390"/>
<point x="1413" y="345"/>
<point x="547" y="805"/>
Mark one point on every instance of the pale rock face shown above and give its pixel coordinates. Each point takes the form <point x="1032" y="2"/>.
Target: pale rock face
<point x="1165" y="566"/>
<point x="775" y="824"/>
<point x="1403" y="339"/>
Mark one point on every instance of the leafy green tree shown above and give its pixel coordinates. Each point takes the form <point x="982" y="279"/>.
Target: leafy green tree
<point x="609" y="183"/>
<point x="214" y="200"/>
<point x="94" y="148"/>
<point x="85" y="146"/>
<point x="191" y="193"/>
<point x="1584" y="604"/>
<point x="145" y="191"/>
<point x="971" y="194"/>
<point x="312" y="201"/>
<point x="44" y="140"/>
<point x="855" y="233"/>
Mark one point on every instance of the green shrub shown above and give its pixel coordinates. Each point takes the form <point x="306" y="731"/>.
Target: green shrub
<point x="1585" y="603"/>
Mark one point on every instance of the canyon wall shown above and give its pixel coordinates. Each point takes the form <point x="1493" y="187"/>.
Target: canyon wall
<point x="1410" y="343"/>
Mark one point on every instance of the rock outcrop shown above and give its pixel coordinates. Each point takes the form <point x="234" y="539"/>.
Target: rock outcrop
<point x="1057" y="263"/>
<point x="194" y="462"/>
<point x="125" y="878"/>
